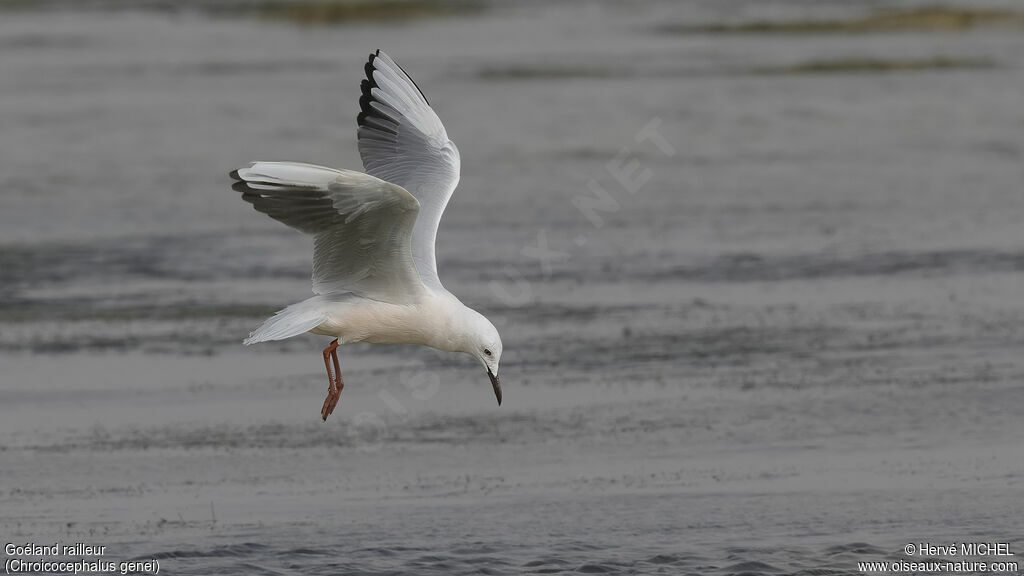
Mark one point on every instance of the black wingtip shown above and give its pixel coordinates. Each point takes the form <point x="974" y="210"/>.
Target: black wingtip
<point x="365" y="87"/>
<point x="365" y="98"/>
<point x="234" y="173"/>
<point x="368" y="67"/>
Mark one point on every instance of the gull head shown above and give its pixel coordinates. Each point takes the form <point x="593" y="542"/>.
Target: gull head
<point x="483" y="343"/>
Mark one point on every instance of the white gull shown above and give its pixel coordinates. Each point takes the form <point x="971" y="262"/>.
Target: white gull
<point x="374" y="273"/>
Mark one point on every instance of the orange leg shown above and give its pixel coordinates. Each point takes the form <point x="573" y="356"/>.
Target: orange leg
<point x="336" y="383"/>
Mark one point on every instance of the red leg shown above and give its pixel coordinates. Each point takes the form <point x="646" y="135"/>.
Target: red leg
<point x="327" y="363"/>
<point x="339" y="385"/>
<point x="333" y="390"/>
<point x="337" y="370"/>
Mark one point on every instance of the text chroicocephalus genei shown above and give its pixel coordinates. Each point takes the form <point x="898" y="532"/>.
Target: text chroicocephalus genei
<point x="374" y="273"/>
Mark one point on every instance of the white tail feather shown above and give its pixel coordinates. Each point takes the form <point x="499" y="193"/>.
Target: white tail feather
<point x="292" y="321"/>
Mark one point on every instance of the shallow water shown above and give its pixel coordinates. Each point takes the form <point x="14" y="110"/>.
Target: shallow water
<point x="795" y="346"/>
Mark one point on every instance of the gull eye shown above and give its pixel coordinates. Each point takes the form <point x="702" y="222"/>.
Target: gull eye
<point x="487" y="352"/>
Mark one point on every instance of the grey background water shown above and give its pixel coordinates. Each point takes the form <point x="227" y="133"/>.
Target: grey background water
<point x="795" y="347"/>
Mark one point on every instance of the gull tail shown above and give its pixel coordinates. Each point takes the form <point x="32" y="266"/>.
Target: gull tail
<point x="292" y="321"/>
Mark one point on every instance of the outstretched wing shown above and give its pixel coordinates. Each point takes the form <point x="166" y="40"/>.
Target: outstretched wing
<point x="402" y="140"/>
<point x="361" y="225"/>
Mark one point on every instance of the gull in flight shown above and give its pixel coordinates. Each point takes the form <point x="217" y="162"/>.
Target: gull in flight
<point x="374" y="274"/>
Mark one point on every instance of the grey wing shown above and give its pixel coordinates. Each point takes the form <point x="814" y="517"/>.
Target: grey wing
<point x="361" y="225"/>
<point x="402" y="140"/>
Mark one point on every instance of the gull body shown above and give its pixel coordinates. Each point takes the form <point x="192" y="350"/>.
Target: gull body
<point x="437" y="321"/>
<point x="374" y="271"/>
